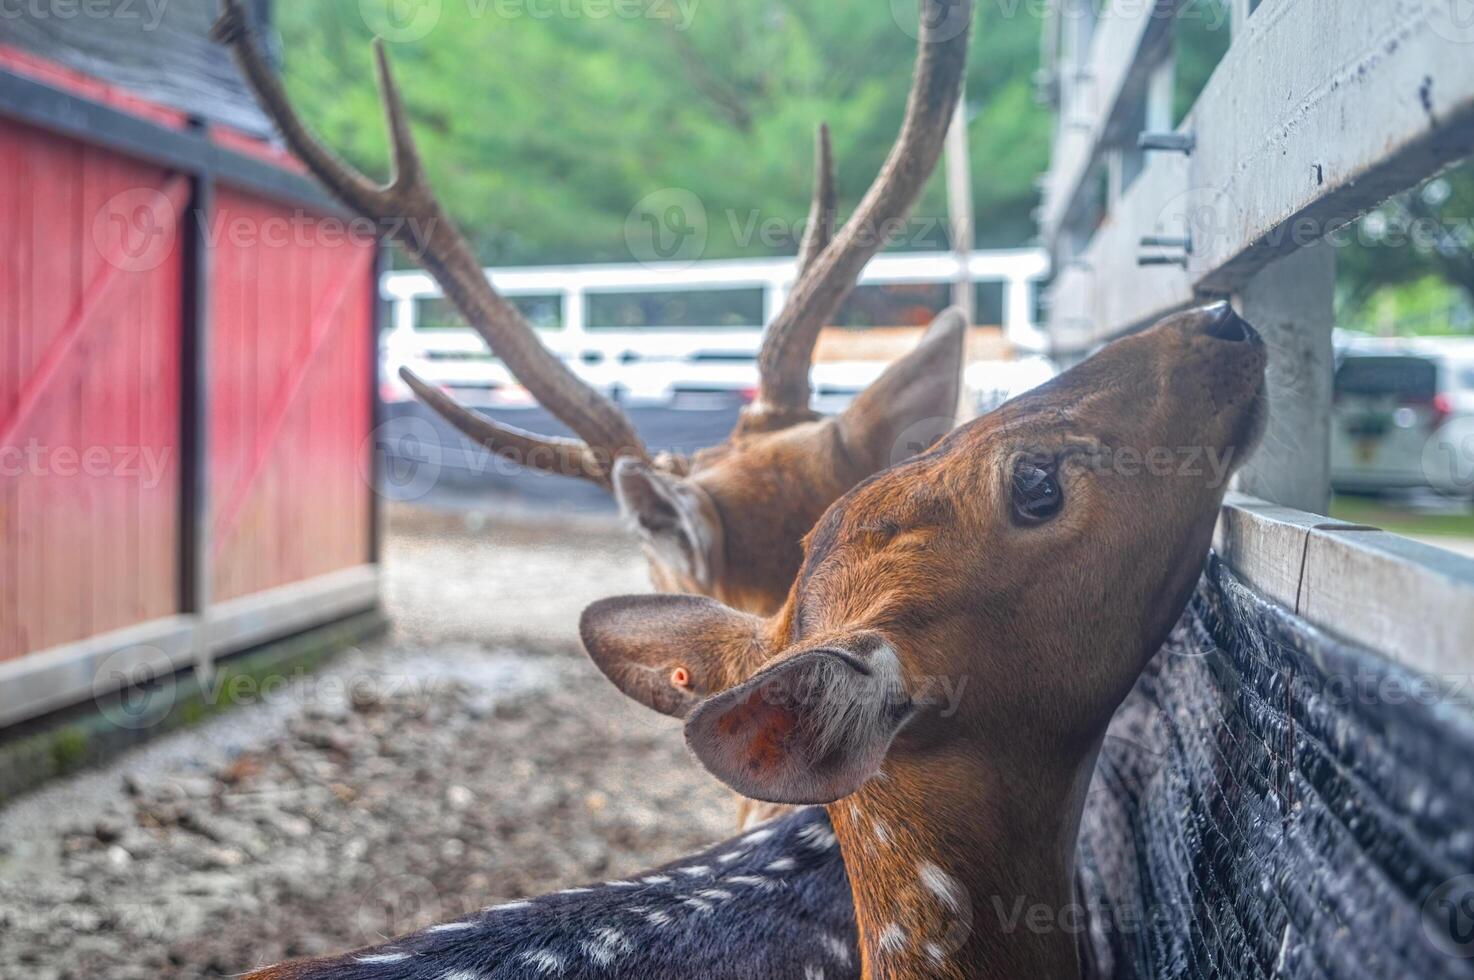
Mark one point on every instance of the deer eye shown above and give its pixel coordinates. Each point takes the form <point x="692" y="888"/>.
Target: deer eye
<point x="1037" y="495"/>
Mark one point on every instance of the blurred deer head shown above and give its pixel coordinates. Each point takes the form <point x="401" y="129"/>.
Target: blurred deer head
<point x="727" y="521"/>
<point x="1034" y="561"/>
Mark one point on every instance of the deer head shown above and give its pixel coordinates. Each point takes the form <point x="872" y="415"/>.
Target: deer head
<point x="726" y="522"/>
<point x="1033" y="561"/>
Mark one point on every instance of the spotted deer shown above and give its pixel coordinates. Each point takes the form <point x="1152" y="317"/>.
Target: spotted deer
<point x="726" y="521"/>
<point x="1042" y="553"/>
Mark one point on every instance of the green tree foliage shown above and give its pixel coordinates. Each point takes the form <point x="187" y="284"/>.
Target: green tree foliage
<point x="544" y="122"/>
<point x="1408" y="267"/>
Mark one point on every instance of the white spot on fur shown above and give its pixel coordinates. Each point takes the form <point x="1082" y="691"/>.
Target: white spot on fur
<point x="695" y="870"/>
<point x="698" y="904"/>
<point x="782" y="864"/>
<point x="507" y="907"/>
<point x="948" y="890"/>
<point x="452" y="927"/>
<point x="818" y="837"/>
<point x="758" y="837"/>
<point x="745" y="880"/>
<point x="606" y="946"/>
<point x="715" y="894"/>
<point x="892" y="939"/>
<point x="658" y="918"/>
<point x="575" y="891"/>
<point x="936" y="953"/>
<point x="882" y="832"/>
<point x="544" y="961"/>
<point x="382" y="958"/>
<point x="837" y="947"/>
<point x="813" y="972"/>
<point x="731" y="856"/>
<point x="622" y="884"/>
<point x="656" y="880"/>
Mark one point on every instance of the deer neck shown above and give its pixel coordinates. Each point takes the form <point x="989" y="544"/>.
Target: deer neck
<point x="963" y="873"/>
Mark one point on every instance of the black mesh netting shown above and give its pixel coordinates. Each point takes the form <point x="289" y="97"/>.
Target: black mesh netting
<point x="1273" y="803"/>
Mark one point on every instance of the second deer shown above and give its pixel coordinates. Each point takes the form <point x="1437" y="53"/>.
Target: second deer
<point x="727" y="521"/>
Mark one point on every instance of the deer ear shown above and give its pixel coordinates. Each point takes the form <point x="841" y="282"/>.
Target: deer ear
<point x="670" y="651"/>
<point x="810" y="729"/>
<point x="914" y="403"/>
<point x="673" y="517"/>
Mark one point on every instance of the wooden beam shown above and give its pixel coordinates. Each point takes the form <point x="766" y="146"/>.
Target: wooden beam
<point x="1292" y="303"/>
<point x="63" y="676"/>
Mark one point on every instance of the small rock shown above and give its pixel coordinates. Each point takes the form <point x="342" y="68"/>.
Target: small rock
<point x="459" y="797"/>
<point x="108" y="831"/>
<point x="118" y="857"/>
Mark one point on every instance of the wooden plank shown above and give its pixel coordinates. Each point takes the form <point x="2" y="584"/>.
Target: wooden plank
<point x="1409" y="602"/>
<point x="1321" y="110"/>
<point x="1129" y="41"/>
<point x="73" y="673"/>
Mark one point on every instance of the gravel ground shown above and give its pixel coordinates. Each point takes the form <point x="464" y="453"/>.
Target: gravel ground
<point x="472" y="757"/>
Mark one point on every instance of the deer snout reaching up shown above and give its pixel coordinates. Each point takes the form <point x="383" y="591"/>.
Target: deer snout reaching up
<point x="962" y="628"/>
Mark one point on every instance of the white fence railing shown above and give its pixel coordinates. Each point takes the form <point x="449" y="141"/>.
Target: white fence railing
<point x="1019" y="271"/>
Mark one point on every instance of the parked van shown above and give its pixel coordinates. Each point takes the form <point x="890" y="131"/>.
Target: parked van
<point x="1403" y="416"/>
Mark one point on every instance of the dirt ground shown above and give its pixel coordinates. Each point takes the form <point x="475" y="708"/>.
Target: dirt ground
<point x="471" y="757"/>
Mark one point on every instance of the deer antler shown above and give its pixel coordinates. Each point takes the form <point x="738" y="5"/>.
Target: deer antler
<point x="827" y="279"/>
<point x="438" y="244"/>
<point x="823" y="210"/>
<point x="565" y="457"/>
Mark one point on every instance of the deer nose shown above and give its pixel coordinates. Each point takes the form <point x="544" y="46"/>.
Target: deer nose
<point x="1222" y="323"/>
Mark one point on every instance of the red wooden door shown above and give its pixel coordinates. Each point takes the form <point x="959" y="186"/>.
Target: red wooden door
<point x="90" y="330"/>
<point x="291" y="395"/>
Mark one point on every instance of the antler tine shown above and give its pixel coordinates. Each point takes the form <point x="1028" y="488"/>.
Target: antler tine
<point x="783" y="363"/>
<point x="564" y="457"/>
<point x="357" y="191"/>
<point x="823" y="211"/>
<point x="438" y="244"/>
<point x="407" y="169"/>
